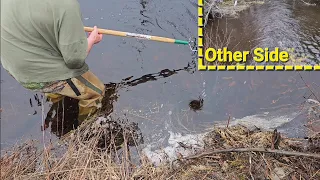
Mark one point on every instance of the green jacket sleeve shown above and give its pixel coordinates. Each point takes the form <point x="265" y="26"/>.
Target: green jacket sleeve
<point x="72" y="38"/>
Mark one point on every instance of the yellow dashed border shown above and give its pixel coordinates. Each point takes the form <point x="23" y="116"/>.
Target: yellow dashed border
<point x="202" y="67"/>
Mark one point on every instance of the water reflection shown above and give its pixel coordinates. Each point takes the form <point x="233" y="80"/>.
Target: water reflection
<point x="38" y="102"/>
<point x="154" y="76"/>
<point x="62" y="116"/>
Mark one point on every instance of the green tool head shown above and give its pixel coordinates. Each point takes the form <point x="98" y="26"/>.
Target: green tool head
<point x="181" y="42"/>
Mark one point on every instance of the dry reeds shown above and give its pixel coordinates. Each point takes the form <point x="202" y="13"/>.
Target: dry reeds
<point x="240" y="153"/>
<point x="99" y="152"/>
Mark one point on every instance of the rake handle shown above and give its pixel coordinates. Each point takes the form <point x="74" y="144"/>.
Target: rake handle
<point x="139" y="36"/>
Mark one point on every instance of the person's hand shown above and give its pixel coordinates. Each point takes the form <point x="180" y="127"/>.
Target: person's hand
<point x="94" y="36"/>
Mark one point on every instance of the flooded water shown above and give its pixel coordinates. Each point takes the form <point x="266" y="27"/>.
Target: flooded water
<point x="156" y="81"/>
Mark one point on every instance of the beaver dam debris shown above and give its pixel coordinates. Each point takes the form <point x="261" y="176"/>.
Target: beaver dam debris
<point x="228" y="153"/>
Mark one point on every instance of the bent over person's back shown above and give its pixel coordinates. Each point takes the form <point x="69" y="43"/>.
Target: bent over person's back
<point x="42" y="40"/>
<point x="44" y="47"/>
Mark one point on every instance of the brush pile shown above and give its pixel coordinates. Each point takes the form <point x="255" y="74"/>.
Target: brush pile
<point x="99" y="152"/>
<point x="240" y="153"/>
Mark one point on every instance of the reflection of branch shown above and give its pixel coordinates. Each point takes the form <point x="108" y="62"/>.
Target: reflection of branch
<point x="152" y="77"/>
<point x="308" y="87"/>
<point x="308" y="4"/>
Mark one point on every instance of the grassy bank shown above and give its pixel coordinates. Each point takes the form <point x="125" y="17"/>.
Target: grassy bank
<point x="102" y="152"/>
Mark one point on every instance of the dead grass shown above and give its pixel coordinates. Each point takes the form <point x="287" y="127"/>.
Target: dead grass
<point x="245" y="163"/>
<point x="99" y="152"/>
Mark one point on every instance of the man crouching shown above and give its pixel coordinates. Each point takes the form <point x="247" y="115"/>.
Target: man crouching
<point x="44" y="47"/>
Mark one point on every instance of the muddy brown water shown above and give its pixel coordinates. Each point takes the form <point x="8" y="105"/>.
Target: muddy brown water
<point x="159" y="80"/>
